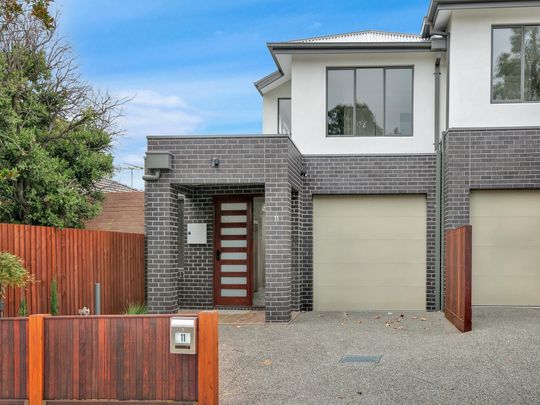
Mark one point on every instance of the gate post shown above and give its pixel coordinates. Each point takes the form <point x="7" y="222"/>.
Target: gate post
<point x="36" y="358"/>
<point x="207" y="349"/>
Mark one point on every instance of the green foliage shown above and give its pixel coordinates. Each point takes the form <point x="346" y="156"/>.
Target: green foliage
<point x="55" y="310"/>
<point x="12" y="273"/>
<point x="136" y="309"/>
<point x="39" y="9"/>
<point x="56" y="133"/>
<point x="23" y="309"/>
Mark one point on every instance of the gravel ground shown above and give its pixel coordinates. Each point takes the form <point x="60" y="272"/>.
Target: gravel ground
<point x="425" y="360"/>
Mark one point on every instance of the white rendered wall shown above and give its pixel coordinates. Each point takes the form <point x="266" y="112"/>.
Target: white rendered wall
<point x="308" y="93"/>
<point x="470" y="70"/>
<point x="270" y="107"/>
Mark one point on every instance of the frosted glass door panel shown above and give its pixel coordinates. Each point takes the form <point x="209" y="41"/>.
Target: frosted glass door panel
<point x="234" y="243"/>
<point x="234" y="231"/>
<point x="233" y="268"/>
<point x="233" y="206"/>
<point x="233" y="256"/>
<point x="233" y="293"/>
<point x="233" y="280"/>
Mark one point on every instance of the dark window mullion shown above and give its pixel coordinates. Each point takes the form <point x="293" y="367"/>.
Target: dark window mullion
<point x="522" y="63"/>
<point x="384" y="102"/>
<point x="354" y="103"/>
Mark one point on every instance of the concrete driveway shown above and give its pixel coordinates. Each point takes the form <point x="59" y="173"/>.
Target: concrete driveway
<point x="424" y="359"/>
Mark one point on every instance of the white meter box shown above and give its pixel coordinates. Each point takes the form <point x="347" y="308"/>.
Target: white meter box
<point x="196" y="234"/>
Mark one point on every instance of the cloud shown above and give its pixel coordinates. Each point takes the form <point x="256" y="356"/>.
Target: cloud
<point x="150" y="112"/>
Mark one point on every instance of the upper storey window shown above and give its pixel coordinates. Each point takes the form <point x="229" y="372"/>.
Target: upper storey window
<point x="369" y="101"/>
<point x="515" y="69"/>
<point x="284" y="116"/>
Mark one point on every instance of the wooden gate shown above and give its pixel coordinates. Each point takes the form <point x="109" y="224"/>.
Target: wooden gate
<point x="457" y="302"/>
<point x="96" y="360"/>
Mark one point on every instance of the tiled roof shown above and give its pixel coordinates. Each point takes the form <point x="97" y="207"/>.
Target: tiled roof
<point x="111" y="186"/>
<point x="365" y="37"/>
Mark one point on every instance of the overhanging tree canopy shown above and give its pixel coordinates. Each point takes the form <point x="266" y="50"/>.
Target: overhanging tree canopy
<point x="56" y="132"/>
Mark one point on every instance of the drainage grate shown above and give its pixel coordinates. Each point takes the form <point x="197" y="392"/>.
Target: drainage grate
<point x="355" y="358"/>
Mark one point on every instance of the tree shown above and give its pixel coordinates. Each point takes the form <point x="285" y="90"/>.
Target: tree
<point x="56" y="131"/>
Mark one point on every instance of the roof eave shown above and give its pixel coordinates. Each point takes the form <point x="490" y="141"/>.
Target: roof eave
<point x="267" y="80"/>
<point x="283" y="47"/>
<point x="435" y="5"/>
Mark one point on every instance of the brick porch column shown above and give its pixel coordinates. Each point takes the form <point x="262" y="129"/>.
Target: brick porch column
<point x="278" y="251"/>
<point x="161" y="222"/>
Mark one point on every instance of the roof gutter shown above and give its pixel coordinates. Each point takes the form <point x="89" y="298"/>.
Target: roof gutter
<point x="304" y="47"/>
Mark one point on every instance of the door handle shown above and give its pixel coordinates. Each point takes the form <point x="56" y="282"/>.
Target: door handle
<point x="218" y="254"/>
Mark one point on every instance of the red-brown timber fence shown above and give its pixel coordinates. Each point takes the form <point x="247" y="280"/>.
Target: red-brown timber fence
<point x="77" y="259"/>
<point x="457" y="302"/>
<point x="104" y="359"/>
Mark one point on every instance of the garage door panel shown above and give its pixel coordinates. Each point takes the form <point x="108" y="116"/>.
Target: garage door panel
<point x="369" y="252"/>
<point x="508" y="261"/>
<point x="506" y="231"/>
<point x="506" y="247"/>
<point x="505" y="289"/>
<point x="371" y="274"/>
<point x="340" y="298"/>
<point x="372" y="227"/>
<point x="368" y="205"/>
<point x="501" y="203"/>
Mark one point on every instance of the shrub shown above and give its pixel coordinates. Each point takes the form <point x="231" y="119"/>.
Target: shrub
<point x="54" y="298"/>
<point x="23" y="309"/>
<point x="12" y="273"/>
<point x="136" y="309"/>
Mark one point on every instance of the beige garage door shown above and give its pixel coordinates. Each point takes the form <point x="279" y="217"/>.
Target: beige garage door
<point x="506" y="247"/>
<point x="369" y="252"/>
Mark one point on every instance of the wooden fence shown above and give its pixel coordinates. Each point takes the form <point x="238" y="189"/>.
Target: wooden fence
<point x="106" y="358"/>
<point x="14" y="358"/>
<point x="457" y="303"/>
<point x="77" y="259"/>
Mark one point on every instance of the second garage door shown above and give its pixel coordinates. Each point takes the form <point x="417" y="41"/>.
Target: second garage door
<point x="506" y="247"/>
<point x="369" y="252"/>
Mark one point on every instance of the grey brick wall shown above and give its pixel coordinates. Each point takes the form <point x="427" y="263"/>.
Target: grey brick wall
<point x="161" y="226"/>
<point x="249" y="163"/>
<point x="196" y="275"/>
<point x="182" y="275"/>
<point x="487" y="159"/>
<point x="392" y="174"/>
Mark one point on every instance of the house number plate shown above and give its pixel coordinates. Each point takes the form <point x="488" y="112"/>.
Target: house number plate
<point x="182" y="338"/>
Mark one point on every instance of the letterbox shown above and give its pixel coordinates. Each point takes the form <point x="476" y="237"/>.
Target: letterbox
<point x="183" y="335"/>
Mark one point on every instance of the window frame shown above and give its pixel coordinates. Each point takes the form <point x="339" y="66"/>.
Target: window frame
<point x="384" y="68"/>
<point x="278" y="100"/>
<point x="522" y="69"/>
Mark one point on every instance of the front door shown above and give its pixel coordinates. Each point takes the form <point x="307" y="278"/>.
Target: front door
<point x="232" y="250"/>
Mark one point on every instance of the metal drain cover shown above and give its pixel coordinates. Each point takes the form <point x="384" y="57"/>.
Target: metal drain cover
<point x="357" y="358"/>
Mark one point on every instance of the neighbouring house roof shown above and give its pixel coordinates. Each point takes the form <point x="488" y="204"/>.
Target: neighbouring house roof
<point x="122" y="209"/>
<point x="369" y="36"/>
<point x="111" y="186"/>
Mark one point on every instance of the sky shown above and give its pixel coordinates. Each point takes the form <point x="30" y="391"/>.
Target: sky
<point x="188" y="67"/>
